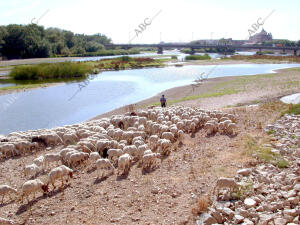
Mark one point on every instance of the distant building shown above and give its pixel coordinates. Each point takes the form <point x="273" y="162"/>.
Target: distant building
<point x="260" y="37"/>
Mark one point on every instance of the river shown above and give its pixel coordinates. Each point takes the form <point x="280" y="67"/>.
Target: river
<point x="70" y="103"/>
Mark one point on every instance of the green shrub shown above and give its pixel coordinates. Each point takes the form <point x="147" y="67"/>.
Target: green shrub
<point x="282" y="163"/>
<point x="51" y="71"/>
<point x="197" y="57"/>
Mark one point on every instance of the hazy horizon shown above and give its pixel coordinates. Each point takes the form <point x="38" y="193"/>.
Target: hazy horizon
<point x="176" y="21"/>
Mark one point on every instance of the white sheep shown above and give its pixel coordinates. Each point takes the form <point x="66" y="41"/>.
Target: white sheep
<point x="114" y="154"/>
<point x="131" y="150"/>
<point x="51" y="158"/>
<point x="59" y="173"/>
<point x="23" y="147"/>
<point x="7" y="150"/>
<point x="148" y="152"/>
<point x="124" y="164"/>
<point x="103" y="144"/>
<point x="168" y="136"/>
<point x="31" y="170"/>
<point x="77" y="158"/>
<point x="153" y="140"/>
<point x="94" y="156"/>
<point x="70" y="138"/>
<point x="6" y="190"/>
<point x="164" y="146"/>
<point x="104" y="165"/>
<point x="149" y="160"/>
<point x="231" y="128"/>
<point x="210" y="127"/>
<point x="137" y="143"/>
<point x="33" y="186"/>
<point x="39" y="161"/>
<point x="52" y="139"/>
<point x="141" y="150"/>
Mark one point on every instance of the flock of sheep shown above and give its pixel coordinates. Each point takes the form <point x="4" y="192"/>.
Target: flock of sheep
<point x="108" y="144"/>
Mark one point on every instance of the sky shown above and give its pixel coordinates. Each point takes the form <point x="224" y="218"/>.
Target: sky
<point x="174" y="20"/>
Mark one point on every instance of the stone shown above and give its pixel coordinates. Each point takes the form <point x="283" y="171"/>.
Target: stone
<point x="290" y="212"/>
<point x="297" y="187"/>
<point x="217" y="216"/>
<point x="243" y="213"/>
<point x="238" y="218"/>
<point x="264" y="219"/>
<point x="291" y="193"/>
<point x="205" y="219"/>
<point x="247" y="222"/>
<point x="294" y="200"/>
<point x="244" y="172"/>
<point x="228" y="212"/>
<point x="260" y="209"/>
<point x="249" y="203"/>
<point x="280" y="221"/>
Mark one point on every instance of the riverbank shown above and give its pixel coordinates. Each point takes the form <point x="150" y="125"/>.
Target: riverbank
<point x="217" y="93"/>
<point x="26" y="87"/>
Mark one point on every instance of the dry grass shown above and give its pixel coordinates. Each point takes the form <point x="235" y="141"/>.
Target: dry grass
<point x="201" y="205"/>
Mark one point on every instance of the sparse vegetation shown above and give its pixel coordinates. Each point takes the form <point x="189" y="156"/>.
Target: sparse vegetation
<point x="282" y="163"/>
<point x="206" y="95"/>
<point x="254" y="147"/>
<point x="201" y="205"/>
<point x="245" y="189"/>
<point x="264" y="57"/>
<point x="292" y="109"/>
<point x="198" y="57"/>
<point x="271" y="132"/>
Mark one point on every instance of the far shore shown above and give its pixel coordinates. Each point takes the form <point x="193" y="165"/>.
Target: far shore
<point x="8" y="63"/>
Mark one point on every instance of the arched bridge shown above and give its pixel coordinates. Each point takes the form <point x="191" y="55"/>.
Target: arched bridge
<point x="160" y="47"/>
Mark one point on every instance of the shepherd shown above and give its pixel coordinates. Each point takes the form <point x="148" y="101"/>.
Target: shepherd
<point x="163" y="101"/>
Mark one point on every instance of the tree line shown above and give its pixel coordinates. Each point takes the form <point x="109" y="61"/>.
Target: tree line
<point x="34" y="41"/>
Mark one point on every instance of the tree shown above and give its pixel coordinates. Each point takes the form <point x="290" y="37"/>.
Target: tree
<point x="93" y="46"/>
<point x="29" y="41"/>
<point x="3" y="34"/>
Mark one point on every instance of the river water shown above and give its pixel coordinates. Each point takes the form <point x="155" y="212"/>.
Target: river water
<point x="71" y="103"/>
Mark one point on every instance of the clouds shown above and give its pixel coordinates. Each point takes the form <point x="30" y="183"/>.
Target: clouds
<point x="178" y="21"/>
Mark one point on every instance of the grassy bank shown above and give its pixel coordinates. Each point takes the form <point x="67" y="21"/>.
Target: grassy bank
<point x="197" y="57"/>
<point x="261" y="58"/>
<point x="78" y="70"/>
<point x="46" y="71"/>
<point x="216" y="93"/>
<point x="126" y="62"/>
<point x="264" y="52"/>
<point x="21" y="87"/>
